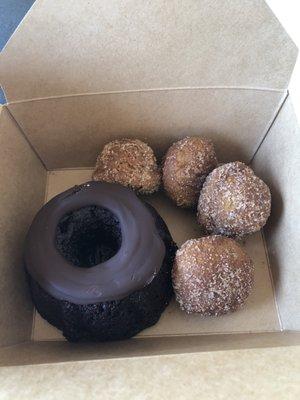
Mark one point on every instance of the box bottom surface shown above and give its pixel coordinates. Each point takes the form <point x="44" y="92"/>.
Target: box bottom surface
<point x="259" y="314"/>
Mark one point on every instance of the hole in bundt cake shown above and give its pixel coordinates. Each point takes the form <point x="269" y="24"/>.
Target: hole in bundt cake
<point x="88" y="236"/>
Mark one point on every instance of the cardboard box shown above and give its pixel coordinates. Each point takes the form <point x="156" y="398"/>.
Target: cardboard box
<point x="78" y="74"/>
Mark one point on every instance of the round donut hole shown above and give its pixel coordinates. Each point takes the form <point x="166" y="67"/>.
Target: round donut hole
<point x="88" y="236"/>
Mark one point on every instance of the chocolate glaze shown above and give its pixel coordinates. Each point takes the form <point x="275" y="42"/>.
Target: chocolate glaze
<point x="133" y="267"/>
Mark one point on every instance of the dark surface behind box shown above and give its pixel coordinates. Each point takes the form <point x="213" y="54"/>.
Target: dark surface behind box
<point x="11" y="14"/>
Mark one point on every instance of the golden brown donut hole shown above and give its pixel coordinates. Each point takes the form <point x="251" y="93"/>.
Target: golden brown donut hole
<point x="233" y="201"/>
<point x="129" y="162"/>
<point x="186" y="165"/>
<point x="212" y="275"/>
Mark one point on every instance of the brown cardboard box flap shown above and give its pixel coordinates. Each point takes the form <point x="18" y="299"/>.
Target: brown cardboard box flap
<point x="22" y="182"/>
<point x="278" y="163"/>
<point x="57" y="352"/>
<point x="69" y="47"/>
<point x="69" y="132"/>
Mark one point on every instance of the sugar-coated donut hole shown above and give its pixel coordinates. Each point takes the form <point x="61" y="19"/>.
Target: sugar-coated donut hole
<point x="88" y="236"/>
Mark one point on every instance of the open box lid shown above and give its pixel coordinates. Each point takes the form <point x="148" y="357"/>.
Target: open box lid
<point x="65" y="47"/>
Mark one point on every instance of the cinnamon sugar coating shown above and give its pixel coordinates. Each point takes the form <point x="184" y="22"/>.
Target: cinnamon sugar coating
<point x="129" y="162"/>
<point x="185" y="168"/>
<point x="212" y="275"/>
<point x="233" y="201"/>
